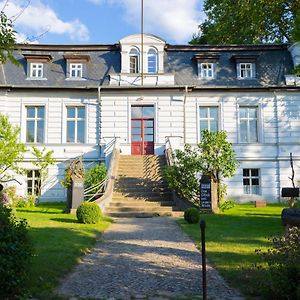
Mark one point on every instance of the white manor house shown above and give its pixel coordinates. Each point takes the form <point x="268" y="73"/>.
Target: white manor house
<point x="80" y="99"/>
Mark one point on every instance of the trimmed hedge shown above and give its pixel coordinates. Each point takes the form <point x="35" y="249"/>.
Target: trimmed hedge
<point x="191" y="215"/>
<point x="15" y="255"/>
<point x="88" y="213"/>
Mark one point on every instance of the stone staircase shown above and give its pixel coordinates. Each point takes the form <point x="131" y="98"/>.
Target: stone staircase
<point x="140" y="190"/>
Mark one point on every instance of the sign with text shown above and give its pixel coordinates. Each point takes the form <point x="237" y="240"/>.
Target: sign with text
<point x="205" y="193"/>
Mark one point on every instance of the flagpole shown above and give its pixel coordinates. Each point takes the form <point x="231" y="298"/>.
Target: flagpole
<point x="142" y="42"/>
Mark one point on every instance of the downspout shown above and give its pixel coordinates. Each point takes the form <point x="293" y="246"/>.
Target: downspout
<point x="277" y="144"/>
<point x="99" y="109"/>
<point x="184" y="114"/>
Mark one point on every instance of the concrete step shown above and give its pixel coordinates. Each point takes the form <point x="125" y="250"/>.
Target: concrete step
<point x="144" y="199"/>
<point x="140" y="209"/>
<point x="138" y="203"/>
<point x="138" y="214"/>
<point x="144" y="193"/>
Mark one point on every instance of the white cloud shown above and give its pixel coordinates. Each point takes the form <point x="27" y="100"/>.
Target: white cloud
<point x="39" y="18"/>
<point x="175" y="19"/>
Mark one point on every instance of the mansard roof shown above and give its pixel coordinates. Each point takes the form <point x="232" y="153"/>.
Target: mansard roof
<point x="272" y="63"/>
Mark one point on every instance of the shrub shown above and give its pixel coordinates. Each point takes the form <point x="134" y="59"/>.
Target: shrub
<point x="95" y="175"/>
<point x="88" y="213"/>
<point x="15" y="254"/>
<point x="226" y="205"/>
<point x="282" y="277"/>
<point x="191" y="215"/>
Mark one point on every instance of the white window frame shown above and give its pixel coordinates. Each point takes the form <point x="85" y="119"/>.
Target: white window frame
<point x="35" y="119"/>
<point x="36" y="70"/>
<point x="152" y="53"/>
<point x="252" y="189"/>
<point x="34" y="181"/>
<point x="206" y="69"/>
<point x="134" y="53"/>
<point x="248" y="119"/>
<point x="245" y="70"/>
<point x="75" y="120"/>
<point x="78" y="70"/>
<point x="208" y="119"/>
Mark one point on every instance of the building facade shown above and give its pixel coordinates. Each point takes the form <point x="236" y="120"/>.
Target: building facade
<point x="76" y="99"/>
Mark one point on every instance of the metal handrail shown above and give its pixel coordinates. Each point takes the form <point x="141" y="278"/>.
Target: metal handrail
<point x="108" y="182"/>
<point x="102" y="185"/>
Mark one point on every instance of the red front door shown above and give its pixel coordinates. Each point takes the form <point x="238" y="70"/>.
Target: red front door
<point x="142" y="130"/>
<point x="142" y="136"/>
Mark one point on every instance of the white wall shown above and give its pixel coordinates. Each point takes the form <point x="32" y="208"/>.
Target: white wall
<point x="14" y="105"/>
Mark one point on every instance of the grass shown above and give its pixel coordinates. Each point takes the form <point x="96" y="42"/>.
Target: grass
<point x="59" y="241"/>
<point x="233" y="236"/>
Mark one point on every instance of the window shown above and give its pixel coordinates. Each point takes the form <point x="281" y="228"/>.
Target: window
<point x="208" y="116"/>
<point x="152" y="61"/>
<point x="36" y="70"/>
<point x="245" y="70"/>
<point x="35" y="124"/>
<point x="251" y="181"/>
<point x="207" y="70"/>
<point x="33" y="182"/>
<point x="248" y="125"/>
<point x="133" y="61"/>
<point x="75" y="124"/>
<point x="75" y="70"/>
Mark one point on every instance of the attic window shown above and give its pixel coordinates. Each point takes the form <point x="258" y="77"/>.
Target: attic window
<point x="36" y="70"/>
<point x="245" y="66"/>
<point x="36" y="64"/>
<point x="206" y="64"/>
<point x="76" y="65"/>
<point x="75" y="70"/>
<point x="133" y="61"/>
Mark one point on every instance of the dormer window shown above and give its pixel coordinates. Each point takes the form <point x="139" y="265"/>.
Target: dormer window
<point x="37" y="64"/>
<point x="76" y="65"/>
<point x="152" y="61"/>
<point x="75" y="70"/>
<point x="207" y="70"/>
<point x="36" y="70"/>
<point x="245" y="66"/>
<point x="207" y="63"/>
<point x="134" y="61"/>
<point x="245" y="70"/>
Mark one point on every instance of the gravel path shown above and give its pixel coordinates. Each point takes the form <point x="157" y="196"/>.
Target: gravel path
<point x="143" y="259"/>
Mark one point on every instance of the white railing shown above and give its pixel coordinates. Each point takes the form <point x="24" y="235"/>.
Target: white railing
<point x="111" y="152"/>
<point x="172" y="143"/>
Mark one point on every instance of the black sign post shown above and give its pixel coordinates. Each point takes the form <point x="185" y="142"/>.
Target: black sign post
<point x="205" y="193"/>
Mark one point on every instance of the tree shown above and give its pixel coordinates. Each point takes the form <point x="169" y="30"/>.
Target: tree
<point x="7" y="39"/>
<point x="43" y="160"/>
<point x="182" y="176"/>
<point x="11" y="150"/>
<point x="296" y="30"/>
<point x="213" y="156"/>
<point x="247" y="21"/>
<point x="217" y="158"/>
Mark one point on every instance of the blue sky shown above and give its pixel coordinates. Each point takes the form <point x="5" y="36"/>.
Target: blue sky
<point x="102" y="21"/>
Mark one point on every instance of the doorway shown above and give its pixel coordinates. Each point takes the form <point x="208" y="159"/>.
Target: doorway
<point x="142" y="130"/>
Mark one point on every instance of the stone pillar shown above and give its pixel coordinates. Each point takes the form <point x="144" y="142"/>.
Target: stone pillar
<point x="208" y="195"/>
<point x="75" y="194"/>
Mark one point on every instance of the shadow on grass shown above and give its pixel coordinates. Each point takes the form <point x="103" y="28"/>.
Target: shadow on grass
<point x="64" y="220"/>
<point x="57" y="251"/>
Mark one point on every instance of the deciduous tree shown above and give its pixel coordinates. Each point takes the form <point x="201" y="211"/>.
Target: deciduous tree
<point x="7" y="39"/>
<point x="11" y="150"/>
<point x="247" y="21"/>
<point x="43" y="160"/>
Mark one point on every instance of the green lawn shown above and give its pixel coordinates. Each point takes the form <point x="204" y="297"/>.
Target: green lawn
<point x="233" y="236"/>
<point x="59" y="241"/>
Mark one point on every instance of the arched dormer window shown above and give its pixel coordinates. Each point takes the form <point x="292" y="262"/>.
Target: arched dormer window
<point x="152" y="61"/>
<point x="134" y="61"/>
